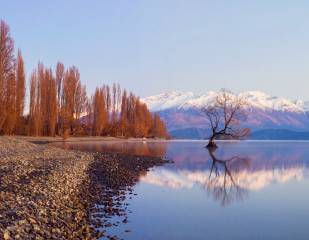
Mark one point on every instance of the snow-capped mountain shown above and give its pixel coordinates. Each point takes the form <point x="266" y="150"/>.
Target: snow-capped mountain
<point x="181" y="111"/>
<point x="257" y="99"/>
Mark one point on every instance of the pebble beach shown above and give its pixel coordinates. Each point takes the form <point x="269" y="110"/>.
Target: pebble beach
<point x="51" y="193"/>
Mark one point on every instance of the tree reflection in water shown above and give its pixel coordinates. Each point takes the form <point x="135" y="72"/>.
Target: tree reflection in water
<point x="223" y="184"/>
<point x="137" y="148"/>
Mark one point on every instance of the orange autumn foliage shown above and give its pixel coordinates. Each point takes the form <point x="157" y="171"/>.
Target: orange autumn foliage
<point x="59" y="104"/>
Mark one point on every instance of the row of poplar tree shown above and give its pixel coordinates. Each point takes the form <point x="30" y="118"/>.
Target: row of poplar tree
<point x="59" y="104"/>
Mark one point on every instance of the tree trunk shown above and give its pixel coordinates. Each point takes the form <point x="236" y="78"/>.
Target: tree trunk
<point x="211" y="143"/>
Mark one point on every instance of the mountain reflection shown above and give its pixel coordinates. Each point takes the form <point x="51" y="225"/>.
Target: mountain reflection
<point x="228" y="179"/>
<point x="221" y="180"/>
<point x="227" y="175"/>
<point x="248" y="180"/>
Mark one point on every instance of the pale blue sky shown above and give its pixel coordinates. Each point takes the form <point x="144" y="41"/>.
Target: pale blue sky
<point x="153" y="46"/>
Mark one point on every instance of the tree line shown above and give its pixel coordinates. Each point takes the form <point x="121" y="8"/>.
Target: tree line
<point x="59" y="104"/>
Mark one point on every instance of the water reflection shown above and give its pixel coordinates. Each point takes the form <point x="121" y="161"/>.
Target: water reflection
<point x="228" y="177"/>
<point x="141" y="148"/>
<point x="256" y="186"/>
<point x="222" y="182"/>
<point x="228" y="174"/>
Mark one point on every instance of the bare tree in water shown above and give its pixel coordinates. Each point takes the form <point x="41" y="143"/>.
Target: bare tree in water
<point x="225" y="117"/>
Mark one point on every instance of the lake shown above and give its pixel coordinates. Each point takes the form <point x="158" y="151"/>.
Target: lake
<point x="243" y="190"/>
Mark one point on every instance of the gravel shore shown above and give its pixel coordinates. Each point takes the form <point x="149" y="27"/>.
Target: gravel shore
<point x="51" y="193"/>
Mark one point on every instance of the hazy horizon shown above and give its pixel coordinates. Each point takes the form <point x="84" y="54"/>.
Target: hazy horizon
<point x="154" y="47"/>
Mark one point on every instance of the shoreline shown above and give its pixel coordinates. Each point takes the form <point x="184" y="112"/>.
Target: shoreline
<point x="52" y="193"/>
<point x="46" y="140"/>
<point x="50" y="140"/>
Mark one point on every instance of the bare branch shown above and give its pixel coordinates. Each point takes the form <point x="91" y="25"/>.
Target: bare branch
<point x="225" y="117"/>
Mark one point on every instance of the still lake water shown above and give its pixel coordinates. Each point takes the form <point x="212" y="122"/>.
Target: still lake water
<point x="243" y="190"/>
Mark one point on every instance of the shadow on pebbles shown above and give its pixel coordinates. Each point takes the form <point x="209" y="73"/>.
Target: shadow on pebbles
<point x="51" y="193"/>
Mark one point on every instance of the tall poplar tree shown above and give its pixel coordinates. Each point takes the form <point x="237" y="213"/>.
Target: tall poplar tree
<point x="7" y="69"/>
<point x="20" y="93"/>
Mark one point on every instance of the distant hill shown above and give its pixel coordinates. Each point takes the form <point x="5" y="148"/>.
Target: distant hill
<point x="189" y="133"/>
<point x="265" y="134"/>
<point x="269" y="117"/>
<point x="279" y="134"/>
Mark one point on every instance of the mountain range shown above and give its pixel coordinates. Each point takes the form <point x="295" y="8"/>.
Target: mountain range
<point x="269" y="117"/>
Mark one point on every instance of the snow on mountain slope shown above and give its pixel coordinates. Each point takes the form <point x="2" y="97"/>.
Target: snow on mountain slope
<point x="255" y="99"/>
<point x="167" y="100"/>
<point x="266" y="102"/>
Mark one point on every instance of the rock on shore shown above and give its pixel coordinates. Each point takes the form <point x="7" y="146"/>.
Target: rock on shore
<point x="39" y="192"/>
